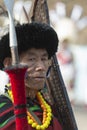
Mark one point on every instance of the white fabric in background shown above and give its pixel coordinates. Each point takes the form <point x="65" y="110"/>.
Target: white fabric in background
<point x="4" y="79"/>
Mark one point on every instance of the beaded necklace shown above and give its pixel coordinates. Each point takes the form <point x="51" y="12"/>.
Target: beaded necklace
<point x="47" y="113"/>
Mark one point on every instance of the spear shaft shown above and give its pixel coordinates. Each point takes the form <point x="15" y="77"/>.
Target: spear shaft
<point x="16" y="74"/>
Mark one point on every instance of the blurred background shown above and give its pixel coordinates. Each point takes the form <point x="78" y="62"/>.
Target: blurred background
<point x="69" y="18"/>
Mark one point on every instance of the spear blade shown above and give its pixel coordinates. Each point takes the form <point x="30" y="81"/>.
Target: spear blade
<point x="13" y="39"/>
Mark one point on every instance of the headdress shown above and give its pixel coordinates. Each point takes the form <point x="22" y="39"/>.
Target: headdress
<point x="33" y="35"/>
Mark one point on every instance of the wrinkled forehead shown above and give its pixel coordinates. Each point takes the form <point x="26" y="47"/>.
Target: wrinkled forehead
<point x="35" y="52"/>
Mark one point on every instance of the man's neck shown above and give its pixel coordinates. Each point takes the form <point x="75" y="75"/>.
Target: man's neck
<point x="31" y="93"/>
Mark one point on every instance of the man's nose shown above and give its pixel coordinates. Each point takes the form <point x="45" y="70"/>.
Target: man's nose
<point x="40" y="65"/>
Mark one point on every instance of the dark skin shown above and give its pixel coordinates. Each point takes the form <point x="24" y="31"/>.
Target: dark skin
<point x="38" y="63"/>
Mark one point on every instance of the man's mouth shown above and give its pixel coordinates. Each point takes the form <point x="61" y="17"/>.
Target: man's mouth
<point x="39" y="78"/>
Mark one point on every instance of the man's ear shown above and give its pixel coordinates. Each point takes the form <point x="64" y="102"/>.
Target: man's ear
<point x="7" y="62"/>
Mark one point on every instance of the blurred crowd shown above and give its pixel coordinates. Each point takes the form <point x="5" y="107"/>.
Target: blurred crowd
<point x="67" y="67"/>
<point x="73" y="64"/>
<point x="71" y="55"/>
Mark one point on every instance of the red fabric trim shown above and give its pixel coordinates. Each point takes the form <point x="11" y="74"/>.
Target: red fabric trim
<point x="18" y="89"/>
<point x="6" y="111"/>
<point x="17" y="84"/>
<point x="9" y="126"/>
<point x="56" y="125"/>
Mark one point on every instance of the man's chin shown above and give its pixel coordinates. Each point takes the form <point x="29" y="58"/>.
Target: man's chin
<point x="36" y="85"/>
<point x="39" y="87"/>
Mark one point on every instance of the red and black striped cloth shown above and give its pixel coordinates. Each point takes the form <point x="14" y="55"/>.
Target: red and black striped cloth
<point x="7" y="118"/>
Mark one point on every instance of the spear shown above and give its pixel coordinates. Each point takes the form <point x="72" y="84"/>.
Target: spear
<point x="16" y="74"/>
<point x="13" y="39"/>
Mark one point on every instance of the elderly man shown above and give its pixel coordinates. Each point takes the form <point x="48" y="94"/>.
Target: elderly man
<point x="37" y="43"/>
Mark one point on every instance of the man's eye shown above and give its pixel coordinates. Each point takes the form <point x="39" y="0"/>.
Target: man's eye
<point x="44" y="59"/>
<point x="31" y="59"/>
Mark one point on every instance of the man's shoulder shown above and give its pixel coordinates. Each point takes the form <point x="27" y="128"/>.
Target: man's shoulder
<point x="6" y="111"/>
<point x="4" y="98"/>
<point x="5" y="103"/>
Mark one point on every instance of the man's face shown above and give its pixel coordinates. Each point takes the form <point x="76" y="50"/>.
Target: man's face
<point x="37" y="61"/>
